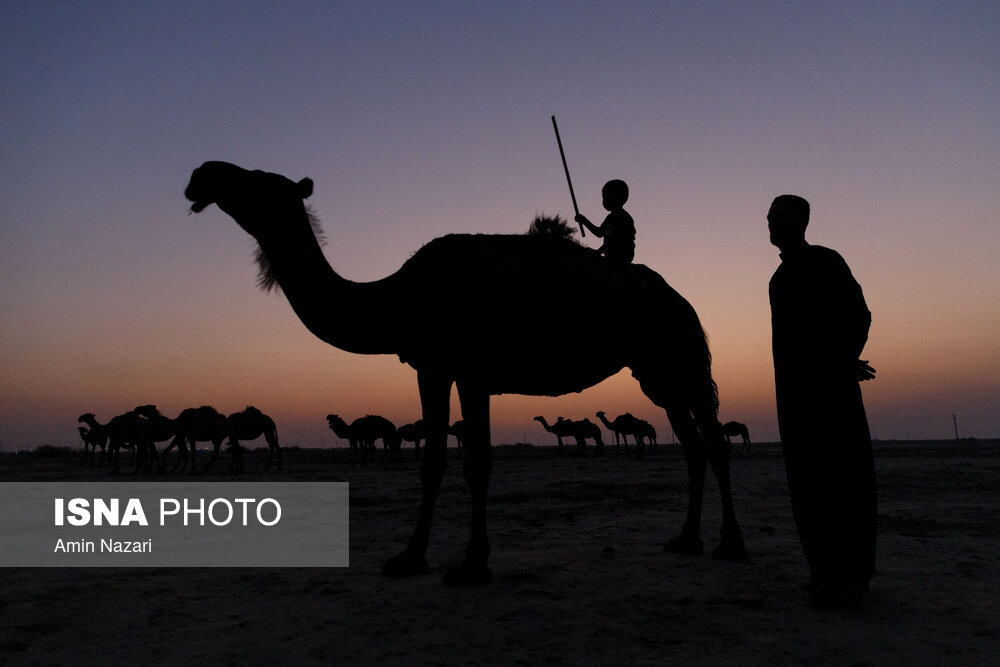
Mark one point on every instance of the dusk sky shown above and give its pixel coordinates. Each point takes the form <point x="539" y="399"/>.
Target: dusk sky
<point x="426" y="118"/>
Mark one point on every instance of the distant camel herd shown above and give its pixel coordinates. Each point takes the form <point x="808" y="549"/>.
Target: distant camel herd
<point x="362" y="434"/>
<point x="140" y="429"/>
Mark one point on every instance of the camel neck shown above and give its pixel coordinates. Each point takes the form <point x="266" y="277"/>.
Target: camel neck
<point x="343" y="313"/>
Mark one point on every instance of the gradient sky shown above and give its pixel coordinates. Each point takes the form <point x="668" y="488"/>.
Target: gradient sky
<point x="421" y="119"/>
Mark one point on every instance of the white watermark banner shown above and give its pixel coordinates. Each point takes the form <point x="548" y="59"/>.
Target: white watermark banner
<point x="174" y="524"/>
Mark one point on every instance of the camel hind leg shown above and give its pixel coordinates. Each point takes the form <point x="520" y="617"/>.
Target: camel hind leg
<point x="703" y="444"/>
<point x="476" y="468"/>
<point x="692" y="409"/>
<point x="689" y="541"/>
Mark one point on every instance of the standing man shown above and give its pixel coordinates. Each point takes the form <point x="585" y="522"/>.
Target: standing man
<point x="819" y="323"/>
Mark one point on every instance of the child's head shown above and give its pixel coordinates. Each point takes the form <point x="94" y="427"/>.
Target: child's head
<point x="615" y="194"/>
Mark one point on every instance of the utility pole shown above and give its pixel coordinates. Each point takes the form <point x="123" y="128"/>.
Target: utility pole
<point x="954" y="420"/>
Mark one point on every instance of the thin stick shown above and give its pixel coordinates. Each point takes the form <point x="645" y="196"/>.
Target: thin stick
<point x="569" y="181"/>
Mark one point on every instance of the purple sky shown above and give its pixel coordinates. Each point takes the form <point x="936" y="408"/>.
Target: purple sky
<point x="420" y="119"/>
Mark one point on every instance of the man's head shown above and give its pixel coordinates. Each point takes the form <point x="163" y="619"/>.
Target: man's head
<point x="615" y="194"/>
<point x="787" y="220"/>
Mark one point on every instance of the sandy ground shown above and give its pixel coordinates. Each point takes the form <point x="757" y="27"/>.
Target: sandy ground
<point x="581" y="577"/>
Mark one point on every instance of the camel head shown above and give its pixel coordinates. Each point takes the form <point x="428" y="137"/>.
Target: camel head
<point x="87" y="416"/>
<point x="254" y="199"/>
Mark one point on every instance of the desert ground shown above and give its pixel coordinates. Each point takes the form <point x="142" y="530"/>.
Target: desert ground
<point x="580" y="573"/>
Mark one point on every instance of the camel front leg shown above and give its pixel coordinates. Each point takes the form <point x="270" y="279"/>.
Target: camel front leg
<point x="476" y="468"/>
<point x="435" y="397"/>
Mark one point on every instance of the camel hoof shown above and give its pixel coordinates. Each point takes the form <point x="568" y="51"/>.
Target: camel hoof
<point x="468" y="574"/>
<point x="405" y="565"/>
<point x="730" y="552"/>
<point x="688" y="546"/>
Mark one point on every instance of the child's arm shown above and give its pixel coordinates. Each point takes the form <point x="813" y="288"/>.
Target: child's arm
<point x="582" y="219"/>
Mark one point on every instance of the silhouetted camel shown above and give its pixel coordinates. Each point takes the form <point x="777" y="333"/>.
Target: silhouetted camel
<point x="475" y="296"/>
<point x="97" y="436"/>
<point x="191" y="426"/>
<point x="617" y="428"/>
<point x="413" y="433"/>
<point x="131" y="430"/>
<point x="342" y="430"/>
<point x="251" y="424"/>
<point x="734" y="429"/>
<point x="162" y="428"/>
<point x="204" y="424"/>
<point x="586" y="429"/>
<point x="362" y="433"/>
<point x="373" y="427"/>
<point x="627" y="425"/>
<point x="561" y="429"/>
<point x="645" y="431"/>
<point x="579" y="430"/>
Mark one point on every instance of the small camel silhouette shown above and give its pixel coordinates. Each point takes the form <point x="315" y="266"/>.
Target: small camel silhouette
<point x="96" y="436"/>
<point x="474" y="296"/>
<point x="251" y="424"/>
<point x="343" y="431"/>
<point x="734" y="429"/>
<point x="645" y="436"/>
<point x="627" y="425"/>
<point x="191" y="426"/>
<point x="413" y="433"/>
<point x="561" y="429"/>
<point x="131" y="430"/>
<point x="586" y="429"/>
<point x="579" y="430"/>
<point x="162" y="428"/>
<point x="362" y="433"/>
<point x="374" y="427"/>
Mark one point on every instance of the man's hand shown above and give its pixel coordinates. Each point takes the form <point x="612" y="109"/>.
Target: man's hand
<point x="865" y="372"/>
